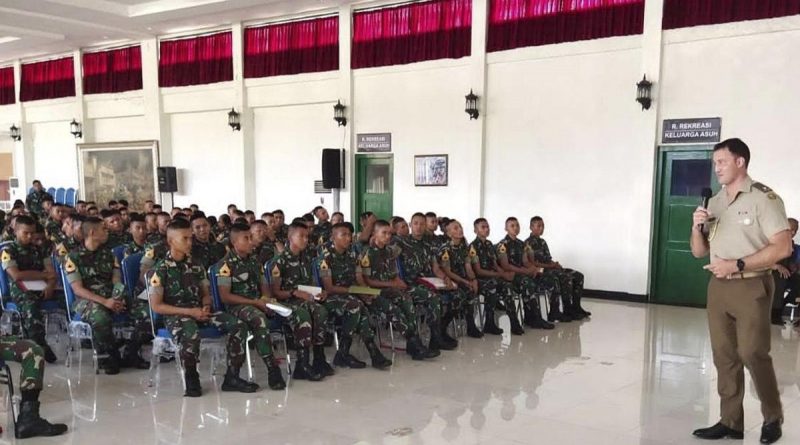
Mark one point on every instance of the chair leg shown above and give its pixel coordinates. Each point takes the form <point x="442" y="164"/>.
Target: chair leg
<point x="247" y="358"/>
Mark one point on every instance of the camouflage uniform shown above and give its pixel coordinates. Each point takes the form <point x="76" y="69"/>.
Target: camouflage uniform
<point x="28" y="302"/>
<point x="308" y="317"/>
<point x="416" y="257"/>
<point x="514" y="250"/>
<point x="31" y="358"/>
<point x="244" y="277"/>
<point x="52" y="230"/>
<point x="99" y="272"/>
<point x="155" y="237"/>
<point x="265" y="252"/>
<point x="321" y="233"/>
<point x="207" y="254"/>
<point x="181" y="283"/>
<point x="63" y="248"/>
<point x="131" y="249"/>
<point x="282" y="233"/>
<point x="456" y="257"/>
<point x="381" y="264"/>
<point x="118" y="239"/>
<point x="153" y="252"/>
<point x="568" y="283"/>
<point x="34" y="201"/>
<point x="342" y="269"/>
<point x="493" y="289"/>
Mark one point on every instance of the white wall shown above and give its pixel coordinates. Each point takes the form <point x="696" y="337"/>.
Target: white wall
<point x="120" y="129"/>
<point x="55" y="157"/>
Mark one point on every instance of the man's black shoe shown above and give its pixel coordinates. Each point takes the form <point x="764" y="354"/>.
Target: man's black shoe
<point x="718" y="431"/>
<point x="771" y="432"/>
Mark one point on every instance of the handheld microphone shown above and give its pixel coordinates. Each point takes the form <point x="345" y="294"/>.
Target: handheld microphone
<point x="706" y="195"/>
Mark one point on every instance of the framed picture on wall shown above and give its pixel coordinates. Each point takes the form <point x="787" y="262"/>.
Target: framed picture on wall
<point x="119" y="170"/>
<point x="430" y="170"/>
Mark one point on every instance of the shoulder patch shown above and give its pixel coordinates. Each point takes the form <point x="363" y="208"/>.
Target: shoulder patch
<point x="5" y="256"/>
<point x="472" y="251"/>
<point x="446" y="256"/>
<point x="62" y="251"/>
<point x="69" y="266"/>
<point x="501" y="248"/>
<point x="761" y="187"/>
<point x="155" y="281"/>
<point x="276" y="272"/>
<point x="528" y="248"/>
<point x="116" y="262"/>
<point x="365" y="261"/>
<point x="323" y="265"/>
<point x="225" y="271"/>
<point x="150" y="253"/>
<point x="772" y="195"/>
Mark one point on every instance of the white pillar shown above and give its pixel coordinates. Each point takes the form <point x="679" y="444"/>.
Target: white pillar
<point x="478" y="75"/>
<point x="158" y="123"/>
<point x="245" y="139"/>
<point x="346" y="95"/>
<point x="23" y="150"/>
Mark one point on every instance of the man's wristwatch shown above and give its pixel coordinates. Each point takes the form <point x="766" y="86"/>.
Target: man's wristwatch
<point x="740" y="265"/>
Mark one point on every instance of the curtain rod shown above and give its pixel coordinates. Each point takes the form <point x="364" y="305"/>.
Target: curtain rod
<point x="198" y="33"/>
<point x="390" y="5"/>
<point x="100" y="49"/>
<point x="291" y="20"/>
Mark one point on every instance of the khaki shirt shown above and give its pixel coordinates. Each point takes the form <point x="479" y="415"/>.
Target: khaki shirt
<point x="745" y="225"/>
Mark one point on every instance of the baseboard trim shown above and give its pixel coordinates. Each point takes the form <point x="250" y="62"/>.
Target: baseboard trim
<point x="615" y="296"/>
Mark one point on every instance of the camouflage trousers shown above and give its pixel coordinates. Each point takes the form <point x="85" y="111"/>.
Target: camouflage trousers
<point x="29" y="305"/>
<point x="552" y="284"/>
<point x="526" y="286"/>
<point x="429" y="302"/>
<point x="353" y="314"/>
<point x="461" y="300"/>
<point x="398" y="307"/>
<point x="307" y="321"/>
<point x="186" y="332"/>
<point x="495" y="290"/>
<point x="29" y="355"/>
<point x="101" y="319"/>
<point x="572" y="283"/>
<point x="258" y="325"/>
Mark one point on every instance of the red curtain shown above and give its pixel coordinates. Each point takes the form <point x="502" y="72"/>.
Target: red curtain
<point x="438" y="29"/>
<point x="113" y="71"/>
<point x="684" y="13"/>
<point x="519" y="23"/>
<point x="7" y="86"/>
<point x="307" y="46"/>
<point x="196" y="60"/>
<point x="50" y="79"/>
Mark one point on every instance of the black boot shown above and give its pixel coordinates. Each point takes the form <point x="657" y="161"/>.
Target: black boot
<point x="533" y="318"/>
<point x="490" y="326"/>
<point x="777" y="317"/>
<point x="49" y="355"/>
<point x="192" y="381"/>
<point x="375" y="355"/>
<point x="111" y="364"/>
<point x="29" y="424"/>
<point x="472" y="329"/>
<point x="321" y="363"/>
<point x="343" y="358"/>
<point x="516" y="328"/>
<point x="557" y="315"/>
<point x="233" y="382"/>
<point x="418" y="351"/>
<point x="303" y="370"/>
<point x="274" y="375"/>
<point x="132" y="358"/>
<point x="439" y="337"/>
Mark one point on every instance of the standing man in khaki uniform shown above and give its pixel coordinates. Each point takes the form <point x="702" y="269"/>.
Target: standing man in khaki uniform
<point x="745" y="230"/>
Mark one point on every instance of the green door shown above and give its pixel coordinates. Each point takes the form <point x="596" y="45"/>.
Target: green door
<point x="374" y="185"/>
<point x="679" y="277"/>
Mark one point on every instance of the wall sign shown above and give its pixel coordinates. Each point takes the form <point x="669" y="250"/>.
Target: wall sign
<point x="373" y="142"/>
<point x="685" y="131"/>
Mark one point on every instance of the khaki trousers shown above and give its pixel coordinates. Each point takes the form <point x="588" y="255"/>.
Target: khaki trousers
<point x="739" y="324"/>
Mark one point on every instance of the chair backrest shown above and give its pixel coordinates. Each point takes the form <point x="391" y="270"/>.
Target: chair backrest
<point x="69" y="294"/>
<point x="52" y="192"/>
<point x="216" y="298"/>
<point x="5" y="287"/>
<point x="61" y="193"/>
<point x="69" y="197"/>
<point x="315" y="273"/>
<point x="154" y="317"/>
<point x="130" y="272"/>
<point x="268" y="271"/>
<point x="119" y="252"/>
<point x="400" y="273"/>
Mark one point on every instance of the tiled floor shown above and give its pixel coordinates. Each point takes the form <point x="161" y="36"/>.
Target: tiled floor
<point x="634" y="374"/>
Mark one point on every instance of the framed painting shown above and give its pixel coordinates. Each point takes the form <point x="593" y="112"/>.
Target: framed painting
<point x="119" y="170"/>
<point x="430" y="170"/>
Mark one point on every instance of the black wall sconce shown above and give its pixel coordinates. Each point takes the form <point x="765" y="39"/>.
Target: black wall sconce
<point x="233" y="120"/>
<point x="643" y="89"/>
<point x="15" y="133"/>
<point x="338" y="114"/>
<point x="75" y="129"/>
<point x="471" y="107"/>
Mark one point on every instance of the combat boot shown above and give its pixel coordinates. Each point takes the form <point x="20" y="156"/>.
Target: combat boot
<point x="343" y="358"/>
<point x="49" y="355"/>
<point x="274" y="375"/>
<point x="490" y="326"/>
<point x="29" y="423"/>
<point x="375" y="355"/>
<point x="438" y="341"/>
<point x="131" y="359"/>
<point x="321" y="363"/>
<point x="472" y="328"/>
<point x="303" y="370"/>
<point x="192" y="382"/>
<point x="233" y="382"/>
<point x="418" y="351"/>
<point x="111" y="363"/>
<point x="516" y="328"/>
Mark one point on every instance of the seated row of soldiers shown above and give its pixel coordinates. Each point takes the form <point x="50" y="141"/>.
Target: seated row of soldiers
<point x="178" y="250"/>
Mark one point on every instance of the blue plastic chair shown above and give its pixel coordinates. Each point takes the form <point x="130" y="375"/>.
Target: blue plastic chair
<point x="77" y="329"/>
<point x="11" y="318"/>
<point x="61" y="194"/>
<point x="52" y="192"/>
<point x="69" y="197"/>
<point x="130" y="269"/>
<point x="6" y="379"/>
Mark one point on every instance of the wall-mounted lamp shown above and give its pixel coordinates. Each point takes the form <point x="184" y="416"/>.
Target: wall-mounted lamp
<point x="75" y="129"/>
<point x="643" y="93"/>
<point x="338" y="114"/>
<point x="233" y="120"/>
<point x="15" y="133"/>
<point x="471" y="107"/>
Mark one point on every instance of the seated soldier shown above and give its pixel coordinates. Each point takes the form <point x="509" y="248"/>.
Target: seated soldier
<point x="378" y="264"/>
<point x="453" y="257"/>
<point x="160" y="234"/>
<point x="567" y="282"/>
<point x="117" y="236"/>
<point x="205" y="249"/>
<point x="337" y="218"/>
<point x="367" y="222"/>
<point x="93" y="211"/>
<point x="151" y="223"/>
<point x="417" y="257"/>
<point x="73" y="236"/>
<point x="279" y="226"/>
<point x="493" y="282"/>
<point x="35" y="198"/>
<point x="337" y="270"/>
<point x="138" y="235"/>
<point x="179" y="291"/>
<point x="231" y="209"/>
<point x="30" y="356"/>
<point x="250" y="216"/>
<point x="81" y="207"/>
<point x="512" y="257"/>
<point x="268" y="218"/>
<point x="194" y="208"/>
<point x="223" y="227"/>
<point x="47" y="205"/>
<point x="41" y="242"/>
<point x="175" y="212"/>
<point x="53" y="225"/>
<point x="293" y="268"/>
<point x="243" y="288"/>
<point x="266" y="246"/>
<point x="399" y="229"/>
<point x="322" y="231"/>
<point x="8" y="230"/>
<point x="786" y="276"/>
<point x="23" y="261"/>
<point x="156" y="247"/>
<point x="93" y="272"/>
<point x="431" y="224"/>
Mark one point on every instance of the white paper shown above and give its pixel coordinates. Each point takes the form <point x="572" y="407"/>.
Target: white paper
<point x="35" y="285"/>
<point x="279" y="309"/>
<point x="313" y="290"/>
<point x="436" y="282"/>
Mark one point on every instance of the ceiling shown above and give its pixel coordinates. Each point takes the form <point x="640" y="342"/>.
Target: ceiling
<point x="36" y="28"/>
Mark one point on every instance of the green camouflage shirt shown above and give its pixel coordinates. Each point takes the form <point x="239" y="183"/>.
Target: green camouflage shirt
<point x="293" y="270"/>
<point x="483" y="254"/>
<point x="206" y="254"/>
<point x="182" y="281"/>
<point x="380" y="263"/>
<point x="282" y="233"/>
<point x="24" y="258"/>
<point x="340" y="267"/>
<point x="265" y="252"/>
<point x="68" y="245"/>
<point x="455" y="257"/>
<point x="540" y="251"/>
<point x="512" y="249"/>
<point x="52" y="230"/>
<point x="118" y="239"/>
<point x="416" y="258"/>
<point x="132" y="248"/>
<point x="243" y="275"/>
<point x="155" y="237"/>
<point x="321" y="233"/>
<point x="98" y="271"/>
<point x="154" y="252"/>
<point x="34" y="201"/>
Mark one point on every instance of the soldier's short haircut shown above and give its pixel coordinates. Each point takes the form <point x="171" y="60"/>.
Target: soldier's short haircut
<point x="381" y="223"/>
<point x="300" y="221"/>
<point x="249" y="212"/>
<point x="238" y="213"/>
<point x="343" y="225"/>
<point x="366" y="215"/>
<point x="430" y="215"/>
<point x="308" y="217"/>
<point x="536" y="218"/>
<point x="178" y="224"/>
<point x="397" y="220"/>
<point x="197" y="216"/>
<point x="266" y="214"/>
<point x="278" y="211"/>
<point x="80" y="201"/>
<point x="231" y="206"/>
<point x="199" y="212"/>
<point x="136" y="217"/>
<point x="737" y="147"/>
<point x="24" y="220"/>
<point x="47" y="198"/>
<point x="157" y="208"/>
<point x="38" y="228"/>
<point x="185" y="209"/>
<point x="163" y="214"/>
<point x="314" y="211"/>
<point x="239" y="228"/>
<point x="112" y="203"/>
<point x="194" y="205"/>
<point x="123" y="202"/>
<point x="258" y="222"/>
<point x="337" y="213"/>
<point x="149" y="200"/>
<point x="418" y="215"/>
<point x="510" y="219"/>
<point x="181" y="216"/>
<point x="36" y="181"/>
<point x="150" y="214"/>
<point x="295" y="225"/>
<point x="107" y="213"/>
<point x="240" y="220"/>
<point x="793" y="220"/>
<point x="77" y="220"/>
<point x="89" y="224"/>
